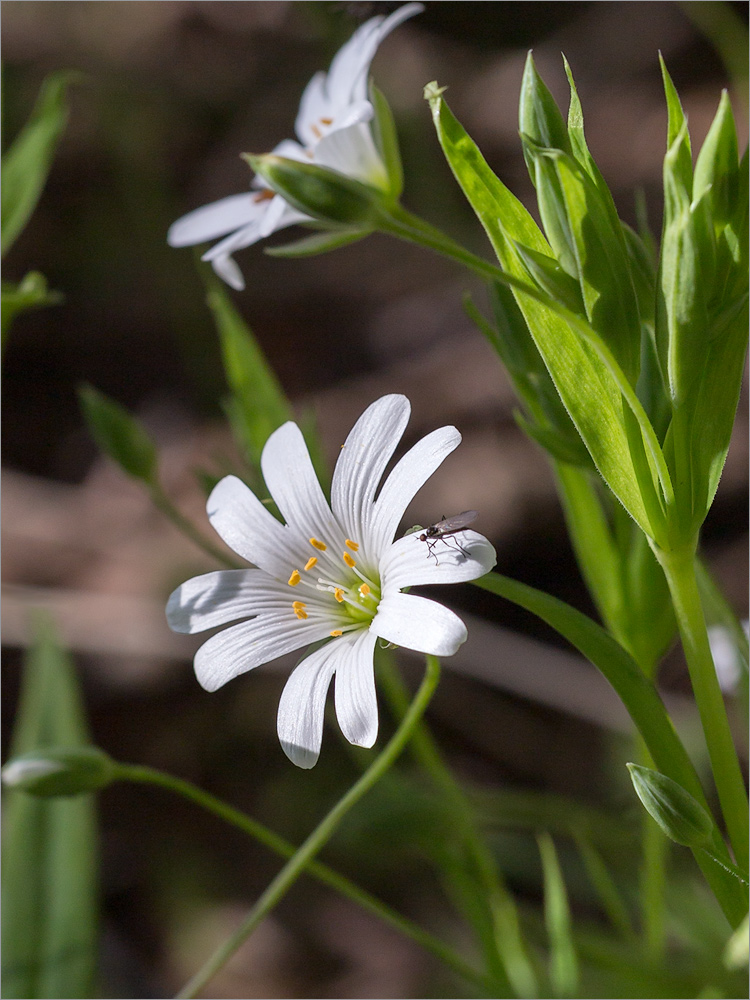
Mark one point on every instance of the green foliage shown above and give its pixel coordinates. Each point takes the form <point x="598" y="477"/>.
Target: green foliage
<point x="30" y="293"/>
<point x="386" y="139"/>
<point x="27" y="163"/>
<point x="60" y="771"/>
<point x="317" y="243"/>
<point x="49" y="878"/>
<point x="563" y="967"/>
<point x="119" y="435"/>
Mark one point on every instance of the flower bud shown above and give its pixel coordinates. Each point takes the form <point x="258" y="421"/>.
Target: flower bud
<point x="320" y="192"/>
<point x="54" y="771"/>
<point x="680" y="816"/>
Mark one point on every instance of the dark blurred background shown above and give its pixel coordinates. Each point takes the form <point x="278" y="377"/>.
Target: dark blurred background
<point x="173" y="93"/>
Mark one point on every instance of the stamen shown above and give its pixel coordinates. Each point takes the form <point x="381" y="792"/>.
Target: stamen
<point x="365" y="578"/>
<point x="320" y="546"/>
<point x="265" y="195"/>
<point x="336" y="633"/>
<point x="339" y="595"/>
<point x="300" y="613"/>
<point x="294" y="579"/>
<point x="364" y="589"/>
<point x="326" y="121"/>
<point x="298" y="605"/>
<point x="354" y="546"/>
<point x="348" y="560"/>
<point x="316" y="131"/>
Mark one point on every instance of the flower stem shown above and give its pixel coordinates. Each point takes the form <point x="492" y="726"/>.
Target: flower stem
<point x="162" y="502"/>
<point x="504" y="941"/>
<point x="679" y="569"/>
<point x="320" y="835"/>
<point x="324" y="874"/>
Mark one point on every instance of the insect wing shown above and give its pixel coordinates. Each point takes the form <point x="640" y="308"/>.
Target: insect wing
<point x="456" y="523"/>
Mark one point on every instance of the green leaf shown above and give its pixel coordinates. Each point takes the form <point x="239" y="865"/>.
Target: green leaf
<point x="681" y="818"/>
<point x="119" y="435"/>
<point x="49" y="881"/>
<point x="606" y="889"/>
<point x="318" y="243"/>
<point x="717" y="166"/>
<point x="564" y="974"/>
<point x="27" y="163"/>
<point x="678" y="137"/>
<point x="386" y="141"/>
<point x="258" y="402"/>
<point x="645" y="707"/>
<point x="538" y="115"/>
<point x="30" y="293"/>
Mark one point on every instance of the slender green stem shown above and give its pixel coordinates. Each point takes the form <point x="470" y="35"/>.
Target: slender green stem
<point x="324" y="874"/>
<point x="679" y="568"/>
<point x="162" y="502"/>
<point x="504" y="941"/>
<point x="320" y="835"/>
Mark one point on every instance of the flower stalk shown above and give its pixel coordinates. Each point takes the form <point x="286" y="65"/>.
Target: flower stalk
<point x="321" y="834"/>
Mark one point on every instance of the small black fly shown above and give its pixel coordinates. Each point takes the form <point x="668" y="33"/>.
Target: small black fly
<point x="446" y="529"/>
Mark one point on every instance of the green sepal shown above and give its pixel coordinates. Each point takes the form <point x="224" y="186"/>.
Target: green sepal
<point x="539" y="116"/>
<point x="318" y="243"/>
<point x="320" y="192"/>
<point x="119" y="434"/>
<point x="30" y="293"/>
<point x="717" y="166"/>
<point x="60" y="771"/>
<point x="681" y="817"/>
<point x="27" y="163"/>
<point x="386" y="140"/>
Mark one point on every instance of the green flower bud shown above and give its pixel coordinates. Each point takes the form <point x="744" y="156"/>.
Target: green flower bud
<point x="320" y="192"/>
<point x="60" y="771"/>
<point x="680" y="816"/>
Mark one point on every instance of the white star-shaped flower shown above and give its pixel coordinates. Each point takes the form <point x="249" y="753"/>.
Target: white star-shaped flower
<point x="333" y="128"/>
<point x="330" y="574"/>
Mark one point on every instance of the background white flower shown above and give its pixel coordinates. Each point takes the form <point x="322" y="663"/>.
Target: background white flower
<point x="330" y="574"/>
<point x="333" y="130"/>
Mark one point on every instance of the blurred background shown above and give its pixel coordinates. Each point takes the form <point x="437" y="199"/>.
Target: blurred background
<point x="172" y="93"/>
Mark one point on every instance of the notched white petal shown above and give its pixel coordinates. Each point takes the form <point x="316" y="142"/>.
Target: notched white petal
<point x="302" y="707"/>
<point x="354" y="689"/>
<point x="420" y="624"/>
<point x="458" y="558"/>
<point x="214" y="220"/>
<point x="223" y="597"/>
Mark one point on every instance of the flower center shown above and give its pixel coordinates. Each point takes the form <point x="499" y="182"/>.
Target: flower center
<point x="354" y="596"/>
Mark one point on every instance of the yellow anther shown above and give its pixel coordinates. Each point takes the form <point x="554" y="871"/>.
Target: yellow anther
<point x="320" y="546"/>
<point x="298" y="605"/>
<point x="294" y="579"/>
<point x="339" y="594"/>
<point x="364" y="590"/>
<point x="349" y="561"/>
<point x="315" y="131"/>
<point x="336" y="633"/>
<point x="354" y="546"/>
<point x="300" y="613"/>
<point x="310" y="563"/>
<point x="326" y="121"/>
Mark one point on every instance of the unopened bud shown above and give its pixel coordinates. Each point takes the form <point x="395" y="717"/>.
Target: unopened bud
<point x="681" y="817"/>
<point x="60" y="771"/>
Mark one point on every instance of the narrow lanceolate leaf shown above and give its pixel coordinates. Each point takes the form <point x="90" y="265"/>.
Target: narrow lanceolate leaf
<point x="258" y="403"/>
<point x="717" y="166"/>
<point x="538" y="115"/>
<point x="644" y="706"/>
<point x="591" y="385"/>
<point x="27" y="163"/>
<point x="119" y="435"/>
<point x="563" y="965"/>
<point x="49" y="893"/>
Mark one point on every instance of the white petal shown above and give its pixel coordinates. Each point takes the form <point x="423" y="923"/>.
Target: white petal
<point x="291" y="150"/>
<point x="223" y="597"/>
<point x="356" y="701"/>
<point x="352" y="151"/>
<point x="313" y="106"/>
<point x="290" y="477"/>
<point x="411" y="563"/>
<point x="408" y="476"/>
<point x="417" y="623"/>
<point x="362" y="461"/>
<point x="242" y="647"/>
<point x="250" y="530"/>
<point x="302" y="704"/>
<point x="228" y="270"/>
<point x="216" y="219"/>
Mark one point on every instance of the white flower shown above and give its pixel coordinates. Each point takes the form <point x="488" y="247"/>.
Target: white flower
<point x="330" y="574"/>
<point x="333" y="130"/>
